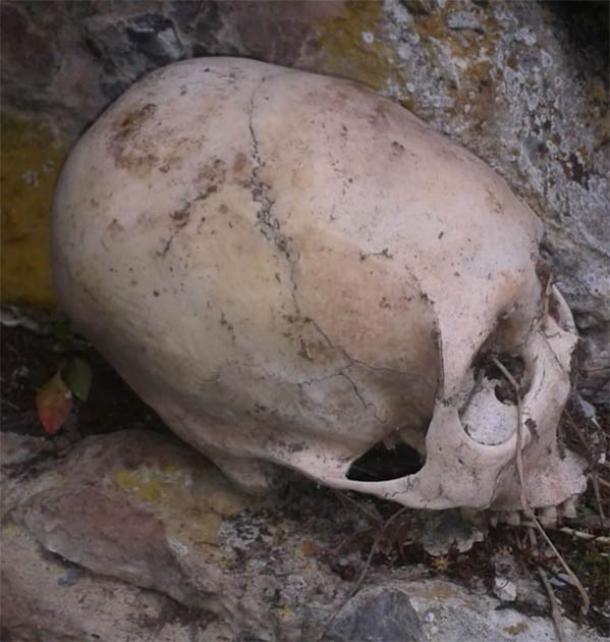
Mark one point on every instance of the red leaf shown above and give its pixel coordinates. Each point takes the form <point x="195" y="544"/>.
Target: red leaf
<point x="53" y="403"/>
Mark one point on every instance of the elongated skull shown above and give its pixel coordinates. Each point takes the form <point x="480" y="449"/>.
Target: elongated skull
<point x="292" y="270"/>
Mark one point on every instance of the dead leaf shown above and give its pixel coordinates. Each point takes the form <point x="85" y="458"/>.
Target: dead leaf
<point x="53" y="404"/>
<point x="308" y="548"/>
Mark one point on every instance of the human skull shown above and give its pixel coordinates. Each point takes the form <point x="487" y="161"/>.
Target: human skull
<point x="292" y="270"/>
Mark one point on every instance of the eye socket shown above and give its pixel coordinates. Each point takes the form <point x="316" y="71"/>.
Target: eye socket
<point x="382" y="463"/>
<point x="485" y="362"/>
<point x="505" y="393"/>
<point x="485" y="367"/>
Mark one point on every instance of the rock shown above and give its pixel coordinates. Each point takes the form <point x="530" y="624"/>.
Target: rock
<point x="147" y="511"/>
<point x="380" y="614"/>
<point x="504" y="589"/>
<point x="18" y="450"/>
<point x="134" y="536"/>
<point x="512" y="581"/>
<point x="155" y="37"/>
<point x="526" y="36"/>
<point x="44" y="597"/>
<point x="450" y="613"/>
<point x="26" y="48"/>
<point x="31" y="157"/>
<point x="441" y="531"/>
<point x="463" y="20"/>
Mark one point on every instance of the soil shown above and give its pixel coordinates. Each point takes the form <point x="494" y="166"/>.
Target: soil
<point x="29" y="359"/>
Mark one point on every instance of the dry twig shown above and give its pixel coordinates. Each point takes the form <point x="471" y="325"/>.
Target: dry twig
<point x="529" y="513"/>
<point x="600" y="539"/>
<point x="365" y="569"/>
<point x="598" y="497"/>
<point x="555" y="611"/>
<point x="518" y="455"/>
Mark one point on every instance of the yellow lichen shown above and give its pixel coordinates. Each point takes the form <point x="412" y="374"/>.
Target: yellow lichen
<point x="345" y="52"/>
<point x="148" y="490"/>
<point x="471" y="52"/>
<point x="191" y="502"/>
<point x="9" y="530"/>
<point x="517" y="629"/>
<point x="284" y="611"/>
<point x="30" y="161"/>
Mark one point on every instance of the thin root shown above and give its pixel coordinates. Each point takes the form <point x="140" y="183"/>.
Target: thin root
<point x="365" y="570"/>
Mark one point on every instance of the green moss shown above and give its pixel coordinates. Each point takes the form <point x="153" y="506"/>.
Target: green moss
<point x="346" y="54"/>
<point x="30" y="161"/>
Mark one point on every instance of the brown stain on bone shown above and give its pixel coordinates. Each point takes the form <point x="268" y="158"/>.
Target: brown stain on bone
<point x="130" y="149"/>
<point x="129" y="124"/>
<point x="115" y="226"/>
<point x="239" y="163"/>
<point x="210" y="178"/>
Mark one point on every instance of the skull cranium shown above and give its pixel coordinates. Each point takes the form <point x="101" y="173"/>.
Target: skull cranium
<point x="291" y="270"/>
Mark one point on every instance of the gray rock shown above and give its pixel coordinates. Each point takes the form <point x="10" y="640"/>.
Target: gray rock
<point x="134" y="533"/>
<point x="149" y="512"/>
<point x="450" y="613"/>
<point x="18" y="450"/>
<point x="44" y="597"/>
<point x="155" y="37"/>
<point x="442" y="531"/>
<point x="463" y="20"/>
<point x="380" y="614"/>
<point x="526" y="36"/>
<point x="504" y="589"/>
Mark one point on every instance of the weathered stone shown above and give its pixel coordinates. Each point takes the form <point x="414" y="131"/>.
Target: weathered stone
<point x="450" y="613"/>
<point x="31" y="157"/>
<point x="134" y="536"/>
<point x="504" y="589"/>
<point x="24" y="48"/>
<point x="155" y="37"/>
<point x="121" y="59"/>
<point x="148" y="511"/>
<point x="78" y="523"/>
<point x="44" y="597"/>
<point x="18" y="450"/>
<point x="381" y="614"/>
<point x="440" y="532"/>
<point x="463" y="20"/>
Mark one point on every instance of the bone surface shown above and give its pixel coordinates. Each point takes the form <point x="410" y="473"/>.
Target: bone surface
<point x="292" y="270"/>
